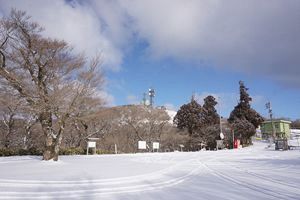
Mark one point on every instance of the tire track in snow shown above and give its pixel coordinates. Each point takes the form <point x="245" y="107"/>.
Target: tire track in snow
<point x="8" y="160"/>
<point x="71" y="183"/>
<point x="255" y="188"/>
<point x="257" y="175"/>
<point x="161" y="180"/>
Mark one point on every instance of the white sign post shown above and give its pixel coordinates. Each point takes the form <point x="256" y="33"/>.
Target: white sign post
<point x="155" y="145"/>
<point x="142" y="145"/>
<point x="181" y="146"/>
<point x="91" y="143"/>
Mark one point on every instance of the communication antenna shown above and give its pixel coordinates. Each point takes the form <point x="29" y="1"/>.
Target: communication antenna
<point x="151" y="95"/>
<point x="268" y="106"/>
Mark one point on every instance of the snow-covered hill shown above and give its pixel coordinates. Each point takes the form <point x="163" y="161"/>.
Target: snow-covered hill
<point x="172" y="114"/>
<point x="249" y="173"/>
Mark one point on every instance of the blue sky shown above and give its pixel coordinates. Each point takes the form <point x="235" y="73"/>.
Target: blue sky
<point x="184" y="47"/>
<point x="175" y="82"/>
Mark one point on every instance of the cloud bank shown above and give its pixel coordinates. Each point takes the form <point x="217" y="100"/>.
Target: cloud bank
<point x="255" y="37"/>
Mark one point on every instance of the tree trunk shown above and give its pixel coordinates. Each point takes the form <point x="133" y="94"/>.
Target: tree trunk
<point x="58" y="140"/>
<point x="45" y="119"/>
<point x="49" y="147"/>
<point x="56" y="147"/>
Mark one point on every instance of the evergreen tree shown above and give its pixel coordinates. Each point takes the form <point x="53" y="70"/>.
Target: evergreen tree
<point x="210" y="134"/>
<point x="189" y="117"/>
<point x="243" y="118"/>
<point x="244" y="130"/>
<point x="202" y="123"/>
<point x="210" y="122"/>
<point x="209" y="113"/>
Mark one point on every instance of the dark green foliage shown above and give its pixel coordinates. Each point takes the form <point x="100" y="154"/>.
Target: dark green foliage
<point x="7" y="152"/>
<point x="81" y="151"/>
<point x="202" y="123"/>
<point x="189" y="117"/>
<point x="30" y="151"/>
<point x="20" y="152"/>
<point x="209" y="113"/>
<point x="211" y="122"/>
<point x="243" y="114"/>
<point x="211" y="133"/>
<point x="243" y="130"/>
<point x="255" y="118"/>
<point x="72" y="151"/>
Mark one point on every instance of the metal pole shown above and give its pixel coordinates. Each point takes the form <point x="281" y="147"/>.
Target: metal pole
<point x="151" y="95"/>
<point x="268" y="106"/>
<point x="220" y="123"/>
<point x="273" y="127"/>
<point x="233" y="138"/>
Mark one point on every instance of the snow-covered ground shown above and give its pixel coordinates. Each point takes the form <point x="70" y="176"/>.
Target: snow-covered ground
<point x="249" y="173"/>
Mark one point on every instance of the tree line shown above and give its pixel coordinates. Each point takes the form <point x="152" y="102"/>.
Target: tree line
<point x="203" y="122"/>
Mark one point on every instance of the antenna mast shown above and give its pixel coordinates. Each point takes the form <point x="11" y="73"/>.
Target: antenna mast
<point x="151" y="95"/>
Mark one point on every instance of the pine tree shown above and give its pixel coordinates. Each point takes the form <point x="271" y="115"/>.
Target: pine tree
<point x="209" y="113"/>
<point x="244" y="130"/>
<point x="210" y="122"/>
<point x="243" y="118"/>
<point x="189" y="117"/>
<point x="202" y="123"/>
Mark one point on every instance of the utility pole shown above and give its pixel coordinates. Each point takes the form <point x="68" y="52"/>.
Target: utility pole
<point x="221" y="124"/>
<point x="268" y="106"/>
<point x="232" y="129"/>
<point x="221" y="133"/>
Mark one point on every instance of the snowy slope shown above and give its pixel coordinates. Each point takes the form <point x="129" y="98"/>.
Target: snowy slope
<point x="249" y="173"/>
<point x="172" y="114"/>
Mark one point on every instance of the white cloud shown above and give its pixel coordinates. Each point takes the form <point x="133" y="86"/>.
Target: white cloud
<point x="261" y="38"/>
<point x="77" y="24"/>
<point x="108" y="99"/>
<point x="257" y="37"/>
<point x="170" y="106"/>
<point x="132" y="99"/>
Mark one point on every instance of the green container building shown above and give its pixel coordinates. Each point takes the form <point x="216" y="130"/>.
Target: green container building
<point x="282" y="129"/>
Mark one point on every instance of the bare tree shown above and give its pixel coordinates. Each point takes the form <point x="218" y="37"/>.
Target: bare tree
<point x="157" y="119"/>
<point x="10" y="108"/>
<point x="8" y="112"/>
<point x="46" y="74"/>
<point x="145" y="122"/>
<point x="84" y="126"/>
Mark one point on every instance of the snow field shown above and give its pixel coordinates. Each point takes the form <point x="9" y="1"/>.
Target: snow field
<point x="249" y="173"/>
